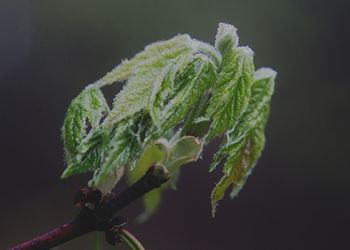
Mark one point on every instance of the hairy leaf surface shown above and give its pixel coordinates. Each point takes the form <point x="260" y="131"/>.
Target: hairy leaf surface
<point x="152" y="57"/>
<point x="244" y="143"/>
<point x="143" y="72"/>
<point x="178" y="95"/>
<point x="189" y="87"/>
<point x="82" y="122"/>
<point x="231" y="92"/>
<point x="118" y="152"/>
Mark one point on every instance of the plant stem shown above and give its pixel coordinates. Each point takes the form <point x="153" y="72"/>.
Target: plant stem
<point x="98" y="241"/>
<point x="129" y="239"/>
<point x="89" y="221"/>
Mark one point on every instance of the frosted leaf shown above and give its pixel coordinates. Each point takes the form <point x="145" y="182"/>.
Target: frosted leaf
<point x="226" y="37"/>
<point x="178" y="95"/>
<point x="81" y="128"/>
<point x="244" y="142"/>
<point x="231" y="92"/>
<point x="153" y="55"/>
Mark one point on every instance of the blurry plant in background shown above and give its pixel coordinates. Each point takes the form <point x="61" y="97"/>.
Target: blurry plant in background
<point x="179" y="95"/>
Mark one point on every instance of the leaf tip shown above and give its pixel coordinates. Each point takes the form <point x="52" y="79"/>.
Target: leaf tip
<point x="235" y="191"/>
<point x="246" y="50"/>
<point x="264" y="73"/>
<point x="226" y="36"/>
<point x="214" y="204"/>
<point x="67" y="173"/>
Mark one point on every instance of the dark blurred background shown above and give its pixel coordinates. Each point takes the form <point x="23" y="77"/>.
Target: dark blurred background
<point x="297" y="197"/>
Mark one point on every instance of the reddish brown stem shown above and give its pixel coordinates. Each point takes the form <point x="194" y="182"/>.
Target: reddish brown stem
<point x="56" y="237"/>
<point x="88" y="221"/>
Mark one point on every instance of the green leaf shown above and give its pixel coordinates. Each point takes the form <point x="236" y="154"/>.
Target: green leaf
<point x="256" y="113"/>
<point x="245" y="142"/>
<point x="190" y="85"/>
<point x="242" y="160"/>
<point x="154" y="153"/>
<point x="212" y="53"/>
<point x="82" y="122"/>
<point x="153" y="56"/>
<point x="144" y="71"/>
<point x="233" y="147"/>
<point x="231" y="91"/>
<point x="166" y="88"/>
<point x="135" y="95"/>
<point x="151" y="203"/>
<point x="257" y="141"/>
<point x="226" y="37"/>
<point x="179" y="94"/>
<point x="87" y="161"/>
<point x="243" y="165"/>
<point x="183" y="150"/>
<point x="116" y="153"/>
<point x="171" y="155"/>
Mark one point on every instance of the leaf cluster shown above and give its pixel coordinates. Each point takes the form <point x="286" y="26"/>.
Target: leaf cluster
<point x="178" y="95"/>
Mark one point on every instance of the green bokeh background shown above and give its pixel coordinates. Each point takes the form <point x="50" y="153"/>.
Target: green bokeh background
<point x="297" y="197"/>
